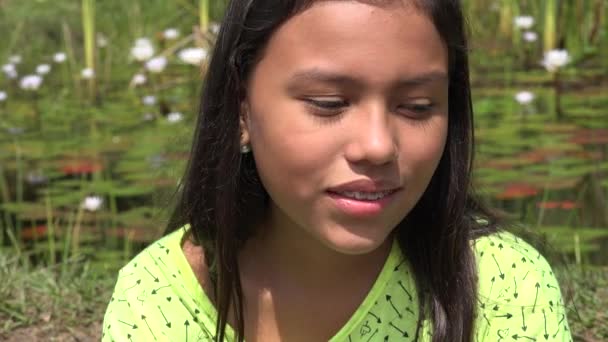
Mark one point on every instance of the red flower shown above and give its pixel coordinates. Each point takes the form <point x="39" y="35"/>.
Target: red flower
<point x="513" y="191"/>
<point x="80" y="167"/>
<point x="568" y="205"/>
<point x="565" y="205"/>
<point x="30" y="233"/>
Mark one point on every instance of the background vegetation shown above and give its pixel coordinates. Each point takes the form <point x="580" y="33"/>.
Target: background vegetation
<point x="95" y="127"/>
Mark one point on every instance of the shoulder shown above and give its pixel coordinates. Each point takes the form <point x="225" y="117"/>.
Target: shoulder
<point x="163" y="258"/>
<point x="512" y="270"/>
<point x="518" y="293"/>
<point x="173" y="256"/>
<point x="157" y="297"/>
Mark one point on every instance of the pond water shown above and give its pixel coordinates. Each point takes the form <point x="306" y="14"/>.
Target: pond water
<point x="94" y="162"/>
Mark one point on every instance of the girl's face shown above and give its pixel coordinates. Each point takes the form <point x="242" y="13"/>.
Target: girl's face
<point x="347" y="115"/>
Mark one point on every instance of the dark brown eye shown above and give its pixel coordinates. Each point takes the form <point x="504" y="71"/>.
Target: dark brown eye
<point x="327" y="104"/>
<point x="416" y="108"/>
<point x="420" y="108"/>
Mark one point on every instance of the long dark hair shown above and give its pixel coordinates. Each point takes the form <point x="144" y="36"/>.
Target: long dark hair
<point x="221" y="196"/>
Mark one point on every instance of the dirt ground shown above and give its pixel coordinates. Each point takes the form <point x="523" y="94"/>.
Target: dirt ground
<point x="49" y="332"/>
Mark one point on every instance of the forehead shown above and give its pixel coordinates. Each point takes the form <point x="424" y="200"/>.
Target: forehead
<point x="379" y="41"/>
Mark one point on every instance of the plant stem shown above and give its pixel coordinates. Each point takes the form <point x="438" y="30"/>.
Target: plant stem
<point x="204" y="15"/>
<point x="6" y="198"/>
<point x="36" y="111"/>
<point x="18" y="185"/>
<point x="50" y="228"/>
<point x="550" y="29"/>
<point x="76" y="231"/>
<point x="71" y="60"/>
<point x="67" y="242"/>
<point x="577" y="248"/>
<point x="88" y="25"/>
<point x="506" y="19"/>
<point x="558" y="95"/>
<point x="113" y="219"/>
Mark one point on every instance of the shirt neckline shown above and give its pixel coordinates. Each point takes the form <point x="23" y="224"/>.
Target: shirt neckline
<point x="374" y="293"/>
<point x="192" y="285"/>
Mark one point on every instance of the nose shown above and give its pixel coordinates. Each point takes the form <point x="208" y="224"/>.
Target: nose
<point x="373" y="139"/>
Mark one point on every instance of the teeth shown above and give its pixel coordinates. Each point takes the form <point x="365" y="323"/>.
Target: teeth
<point x="368" y="196"/>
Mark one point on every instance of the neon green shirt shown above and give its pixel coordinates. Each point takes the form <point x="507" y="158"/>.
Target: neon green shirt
<point x="158" y="298"/>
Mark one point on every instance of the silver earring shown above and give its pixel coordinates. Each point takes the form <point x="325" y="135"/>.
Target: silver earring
<point x="245" y="148"/>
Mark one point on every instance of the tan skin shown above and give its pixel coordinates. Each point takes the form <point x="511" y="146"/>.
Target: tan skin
<point x="335" y="98"/>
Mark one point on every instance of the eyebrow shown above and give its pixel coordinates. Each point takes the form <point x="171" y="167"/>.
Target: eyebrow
<point x="320" y="75"/>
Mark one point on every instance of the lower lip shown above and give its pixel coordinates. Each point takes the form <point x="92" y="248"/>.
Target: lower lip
<point x="361" y="208"/>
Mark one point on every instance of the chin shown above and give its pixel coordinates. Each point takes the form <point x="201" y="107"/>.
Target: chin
<point x="347" y="242"/>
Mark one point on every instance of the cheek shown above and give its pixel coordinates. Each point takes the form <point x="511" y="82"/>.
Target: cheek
<point x="423" y="147"/>
<point x="290" y="154"/>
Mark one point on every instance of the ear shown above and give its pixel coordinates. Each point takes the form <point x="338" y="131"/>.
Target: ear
<point x="244" y="122"/>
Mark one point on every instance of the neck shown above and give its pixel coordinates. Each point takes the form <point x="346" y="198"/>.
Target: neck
<point x="283" y="253"/>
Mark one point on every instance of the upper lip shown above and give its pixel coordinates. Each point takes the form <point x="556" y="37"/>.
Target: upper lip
<point x="366" y="185"/>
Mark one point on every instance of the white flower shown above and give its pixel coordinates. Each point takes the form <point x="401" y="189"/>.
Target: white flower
<point x="214" y="28"/>
<point x="10" y="71"/>
<point x="14" y="59"/>
<point x="102" y="41"/>
<point x="143" y="41"/>
<point x="59" y="57"/>
<point x="92" y="203"/>
<point x="2" y="96"/>
<point x="171" y="33"/>
<point x="175" y="117"/>
<point x="524" y="22"/>
<point x="149" y="100"/>
<point x="31" y="82"/>
<point x="87" y="73"/>
<point x="8" y="67"/>
<point x="43" y="69"/>
<point x="138" y="79"/>
<point x="142" y="52"/>
<point x="156" y="64"/>
<point x="143" y="49"/>
<point x="116" y="139"/>
<point x="192" y="56"/>
<point x="530" y="36"/>
<point x="524" y="97"/>
<point x="555" y="59"/>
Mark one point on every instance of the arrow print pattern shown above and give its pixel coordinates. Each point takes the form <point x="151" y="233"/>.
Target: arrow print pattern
<point x="523" y="294"/>
<point x="519" y="299"/>
<point x="151" y="280"/>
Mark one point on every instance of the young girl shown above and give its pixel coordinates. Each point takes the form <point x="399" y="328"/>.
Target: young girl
<point x="327" y="196"/>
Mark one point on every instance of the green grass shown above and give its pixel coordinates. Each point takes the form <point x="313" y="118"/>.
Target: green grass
<point x="585" y="290"/>
<point x="77" y="297"/>
<point x="71" y="294"/>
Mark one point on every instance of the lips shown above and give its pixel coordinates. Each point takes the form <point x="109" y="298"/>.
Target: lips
<point x="363" y="198"/>
<point x="366" y="186"/>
